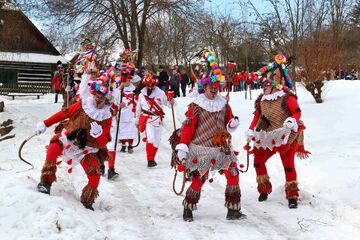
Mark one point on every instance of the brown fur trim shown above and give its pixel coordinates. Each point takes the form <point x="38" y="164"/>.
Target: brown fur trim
<point x="48" y="172"/>
<point x="174" y="140"/>
<point x="301" y="152"/>
<point x="221" y="138"/>
<point x="264" y="184"/>
<point x="88" y="196"/>
<point x="92" y="170"/>
<point x="60" y="127"/>
<point x="262" y="179"/>
<point x="103" y="155"/>
<point x="232" y="197"/>
<point x="55" y="139"/>
<point x="291" y="185"/>
<point x="292" y="190"/>
<point x="192" y="197"/>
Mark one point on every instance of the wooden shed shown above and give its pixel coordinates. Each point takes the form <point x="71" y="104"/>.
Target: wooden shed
<point x="27" y="58"/>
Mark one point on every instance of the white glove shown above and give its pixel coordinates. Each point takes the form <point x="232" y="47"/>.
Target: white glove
<point x="96" y="130"/>
<point x="67" y="89"/>
<point x="249" y="134"/>
<point x="40" y="128"/>
<point x="182" y="155"/>
<point x="234" y="123"/>
<point x="290" y="123"/>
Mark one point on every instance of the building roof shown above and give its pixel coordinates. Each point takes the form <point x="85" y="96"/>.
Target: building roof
<point x="19" y="34"/>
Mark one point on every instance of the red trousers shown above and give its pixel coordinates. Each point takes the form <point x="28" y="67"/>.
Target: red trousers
<point x="150" y="151"/>
<point x="287" y="158"/>
<point x="197" y="182"/>
<point x="55" y="150"/>
<point x="111" y="163"/>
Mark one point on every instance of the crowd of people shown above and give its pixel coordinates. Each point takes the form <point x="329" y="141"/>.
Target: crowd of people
<point x="107" y="106"/>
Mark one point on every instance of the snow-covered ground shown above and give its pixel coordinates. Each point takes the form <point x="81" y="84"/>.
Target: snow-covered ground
<point x="141" y="204"/>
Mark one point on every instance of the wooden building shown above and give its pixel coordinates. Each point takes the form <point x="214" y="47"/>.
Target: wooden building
<point x="27" y="58"/>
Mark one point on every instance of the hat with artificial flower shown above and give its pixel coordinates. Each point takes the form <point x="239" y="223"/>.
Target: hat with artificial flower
<point x="105" y="84"/>
<point x="212" y="74"/>
<point x="275" y="74"/>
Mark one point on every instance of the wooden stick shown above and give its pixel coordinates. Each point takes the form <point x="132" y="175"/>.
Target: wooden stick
<point x="173" y="115"/>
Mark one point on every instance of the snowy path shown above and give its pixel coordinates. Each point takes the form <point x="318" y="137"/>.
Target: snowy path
<point x="141" y="204"/>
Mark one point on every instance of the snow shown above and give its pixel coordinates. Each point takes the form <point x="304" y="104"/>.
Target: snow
<point x="31" y="57"/>
<point x="141" y="204"/>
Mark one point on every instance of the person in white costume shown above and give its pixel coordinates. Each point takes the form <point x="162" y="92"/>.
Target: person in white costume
<point x="150" y="114"/>
<point x="128" y="131"/>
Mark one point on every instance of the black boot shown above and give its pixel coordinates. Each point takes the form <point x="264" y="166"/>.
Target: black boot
<point x="263" y="197"/>
<point x="123" y="148"/>
<point x="130" y="149"/>
<point x="44" y="187"/>
<point x="112" y="175"/>
<point x="90" y="208"/>
<point x="292" y="203"/>
<point x="187" y="215"/>
<point x="234" y="214"/>
<point x="152" y="163"/>
<point x="102" y="170"/>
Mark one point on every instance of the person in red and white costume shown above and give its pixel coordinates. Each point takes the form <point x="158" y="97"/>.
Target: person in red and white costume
<point x="277" y="128"/>
<point x="207" y="116"/>
<point x="128" y="131"/>
<point x="80" y="138"/>
<point x="112" y="174"/>
<point x="150" y="114"/>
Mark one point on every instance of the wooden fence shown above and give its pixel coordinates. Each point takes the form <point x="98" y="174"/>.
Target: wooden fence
<point x="25" y="87"/>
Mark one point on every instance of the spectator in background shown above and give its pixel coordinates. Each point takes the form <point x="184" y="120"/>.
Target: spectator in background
<point x="236" y="82"/>
<point x="174" y="82"/>
<point x="242" y="79"/>
<point x="184" y="81"/>
<point x="56" y="82"/>
<point x="163" y="78"/>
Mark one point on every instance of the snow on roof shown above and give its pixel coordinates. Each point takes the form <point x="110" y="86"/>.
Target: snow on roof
<point x="31" y="57"/>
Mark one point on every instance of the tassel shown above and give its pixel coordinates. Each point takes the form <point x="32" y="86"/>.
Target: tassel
<point x="181" y="168"/>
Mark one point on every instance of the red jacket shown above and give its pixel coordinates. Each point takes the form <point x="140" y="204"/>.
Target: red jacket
<point x="57" y="80"/>
<point x="102" y="140"/>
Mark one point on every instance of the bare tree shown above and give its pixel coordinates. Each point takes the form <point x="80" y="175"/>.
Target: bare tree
<point x="317" y="57"/>
<point x="124" y="20"/>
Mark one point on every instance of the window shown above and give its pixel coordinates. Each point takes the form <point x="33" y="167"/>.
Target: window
<point x="8" y="77"/>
